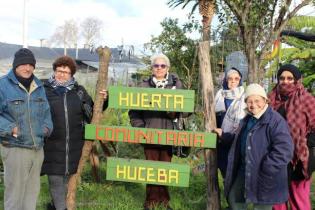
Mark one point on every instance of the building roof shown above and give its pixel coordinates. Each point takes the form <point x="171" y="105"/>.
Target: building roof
<point x="44" y="53"/>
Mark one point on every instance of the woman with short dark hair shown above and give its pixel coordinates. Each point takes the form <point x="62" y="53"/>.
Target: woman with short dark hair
<point x="71" y="108"/>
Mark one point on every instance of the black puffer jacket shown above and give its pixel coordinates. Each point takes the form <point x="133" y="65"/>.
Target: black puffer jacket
<point x="63" y="148"/>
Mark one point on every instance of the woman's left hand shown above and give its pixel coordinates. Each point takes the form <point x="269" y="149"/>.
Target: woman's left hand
<point x="104" y="93"/>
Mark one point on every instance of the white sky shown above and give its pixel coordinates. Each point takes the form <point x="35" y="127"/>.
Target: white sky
<point x="133" y="21"/>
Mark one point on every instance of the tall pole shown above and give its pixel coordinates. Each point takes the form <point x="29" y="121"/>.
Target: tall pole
<point x="25" y="23"/>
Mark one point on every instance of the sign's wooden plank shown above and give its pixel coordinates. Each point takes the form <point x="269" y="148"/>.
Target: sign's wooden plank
<point x="177" y="100"/>
<point x="148" y="172"/>
<point x="150" y="136"/>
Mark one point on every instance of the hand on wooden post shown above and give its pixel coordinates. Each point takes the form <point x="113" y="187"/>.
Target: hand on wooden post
<point x="218" y="131"/>
<point x="104" y="93"/>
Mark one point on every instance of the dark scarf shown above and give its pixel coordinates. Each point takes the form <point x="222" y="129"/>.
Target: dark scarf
<point x="300" y="115"/>
<point x="26" y="82"/>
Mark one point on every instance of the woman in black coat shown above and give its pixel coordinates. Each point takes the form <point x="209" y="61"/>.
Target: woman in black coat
<point x="162" y="79"/>
<point x="71" y="109"/>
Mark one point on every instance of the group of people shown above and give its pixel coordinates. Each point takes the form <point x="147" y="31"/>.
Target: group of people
<point x="41" y="130"/>
<point x="263" y="154"/>
<point x="262" y="145"/>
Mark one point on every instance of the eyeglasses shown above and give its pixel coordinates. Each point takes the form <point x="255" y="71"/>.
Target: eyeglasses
<point x="282" y="78"/>
<point x="62" y="72"/>
<point x="237" y="79"/>
<point x="163" y="66"/>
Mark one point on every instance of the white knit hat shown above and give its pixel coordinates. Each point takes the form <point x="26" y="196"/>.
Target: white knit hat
<point x="255" y="89"/>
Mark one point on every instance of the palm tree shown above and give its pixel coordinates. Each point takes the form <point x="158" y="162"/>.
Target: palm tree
<point x="206" y="10"/>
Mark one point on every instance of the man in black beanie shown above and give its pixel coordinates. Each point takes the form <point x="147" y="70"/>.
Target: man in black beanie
<point x="25" y="121"/>
<point x="23" y="66"/>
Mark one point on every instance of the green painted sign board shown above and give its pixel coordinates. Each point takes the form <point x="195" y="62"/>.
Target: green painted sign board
<point x="148" y="172"/>
<point x="150" y="136"/>
<point x="151" y="99"/>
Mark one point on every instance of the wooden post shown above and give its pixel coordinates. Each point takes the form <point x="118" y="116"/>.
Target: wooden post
<point x="104" y="58"/>
<point x="95" y="162"/>
<point x="213" y="201"/>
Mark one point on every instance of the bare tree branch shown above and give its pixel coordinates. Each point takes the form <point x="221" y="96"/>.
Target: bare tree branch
<point x="278" y="28"/>
<point x="91" y="30"/>
<point x="283" y="11"/>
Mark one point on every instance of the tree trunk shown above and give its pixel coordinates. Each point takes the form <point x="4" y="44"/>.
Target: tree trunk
<point x="206" y="21"/>
<point x="213" y="201"/>
<point x="104" y="58"/>
<point x="95" y="162"/>
<point x="250" y="52"/>
<point x="252" y="66"/>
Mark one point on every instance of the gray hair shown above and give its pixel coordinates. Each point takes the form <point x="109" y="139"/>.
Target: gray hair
<point x="160" y="56"/>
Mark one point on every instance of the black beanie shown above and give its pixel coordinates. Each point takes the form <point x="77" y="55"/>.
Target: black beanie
<point x="23" y="56"/>
<point x="291" y="68"/>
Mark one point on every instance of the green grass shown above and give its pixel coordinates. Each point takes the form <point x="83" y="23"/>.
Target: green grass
<point x="108" y="195"/>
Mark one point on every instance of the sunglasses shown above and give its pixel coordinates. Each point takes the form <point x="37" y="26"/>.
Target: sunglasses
<point x="282" y="78"/>
<point x="162" y="66"/>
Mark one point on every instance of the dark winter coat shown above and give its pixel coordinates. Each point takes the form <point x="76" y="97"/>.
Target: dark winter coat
<point x="269" y="149"/>
<point x="154" y="119"/>
<point x="62" y="150"/>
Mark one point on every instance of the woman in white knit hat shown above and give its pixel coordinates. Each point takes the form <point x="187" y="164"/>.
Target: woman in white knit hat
<point x="258" y="158"/>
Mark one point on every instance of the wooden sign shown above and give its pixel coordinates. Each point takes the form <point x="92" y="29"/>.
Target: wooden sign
<point x="151" y="99"/>
<point x="150" y="136"/>
<point x="148" y="172"/>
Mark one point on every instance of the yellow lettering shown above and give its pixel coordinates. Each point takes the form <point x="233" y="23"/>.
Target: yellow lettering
<point x="134" y="177"/>
<point x="140" y="169"/>
<point x="162" y="178"/>
<point x="137" y="104"/>
<point x="120" y="171"/>
<point x="179" y="99"/>
<point x="156" y="99"/>
<point x="173" y="174"/>
<point x="150" y="174"/>
<point x="167" y="96"/>
<point x="145" y="100"/>
<point x="123" y="98"/>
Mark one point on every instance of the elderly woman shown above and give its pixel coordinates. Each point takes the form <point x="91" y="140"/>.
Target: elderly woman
<point x="161" y="78"/>
<point x="229" y="109"/>
<point x="297" y="107"/>
<point x="258" y="158"/>
<point x="71" y="107"/>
